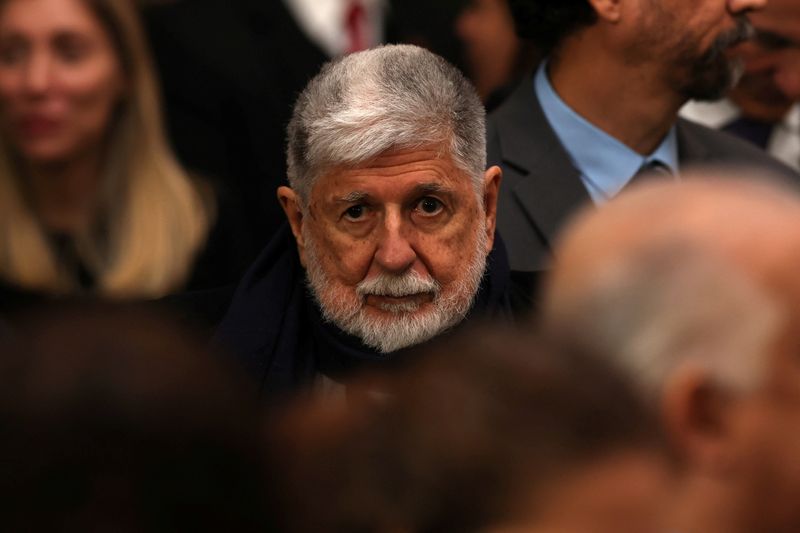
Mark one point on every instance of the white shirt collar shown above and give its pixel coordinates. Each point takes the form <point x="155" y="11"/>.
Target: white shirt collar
<point x="712" y="114"/>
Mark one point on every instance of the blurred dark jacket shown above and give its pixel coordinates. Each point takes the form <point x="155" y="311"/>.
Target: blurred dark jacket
<point x="230" y="71"/>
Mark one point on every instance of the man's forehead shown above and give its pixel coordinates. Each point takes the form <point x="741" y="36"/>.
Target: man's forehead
<point x="420" y="170"/>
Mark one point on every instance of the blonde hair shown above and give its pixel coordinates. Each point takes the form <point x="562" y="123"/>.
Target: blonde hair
<point x="152" y="219"/>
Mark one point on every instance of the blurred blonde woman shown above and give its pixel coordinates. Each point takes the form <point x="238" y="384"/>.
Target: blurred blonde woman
<point x="91" y="197"/>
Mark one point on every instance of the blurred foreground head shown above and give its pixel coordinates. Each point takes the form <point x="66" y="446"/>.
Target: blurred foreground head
<point x="692" y="289"/>
<point x="492" y="432"/>
<point x="113" y="421"/>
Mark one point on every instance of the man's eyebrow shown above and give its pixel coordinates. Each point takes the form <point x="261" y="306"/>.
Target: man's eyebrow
<point x="353" y="197"/>
<point x="422" y="188"/>
<point x="428" y="188"/>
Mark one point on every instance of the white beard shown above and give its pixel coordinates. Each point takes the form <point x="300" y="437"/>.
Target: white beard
<point x="404" y="324"/>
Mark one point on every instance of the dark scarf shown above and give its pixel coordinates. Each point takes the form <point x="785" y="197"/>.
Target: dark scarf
<point x="275" y="328"/>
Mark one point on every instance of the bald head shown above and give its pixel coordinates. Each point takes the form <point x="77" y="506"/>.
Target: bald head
<point x="700" y="273"/>
<point x="752" y="224"/>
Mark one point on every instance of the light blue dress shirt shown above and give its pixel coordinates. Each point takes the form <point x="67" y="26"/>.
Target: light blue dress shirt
<point x="606" y="164"/>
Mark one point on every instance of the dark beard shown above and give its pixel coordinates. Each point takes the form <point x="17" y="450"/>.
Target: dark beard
<point x="713" y="74"/>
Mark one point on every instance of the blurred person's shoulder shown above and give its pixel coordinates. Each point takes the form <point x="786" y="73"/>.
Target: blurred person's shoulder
<point x="700" y="145"/>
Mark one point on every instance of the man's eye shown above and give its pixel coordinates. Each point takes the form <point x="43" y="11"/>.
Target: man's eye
<point x="355" y="212"/>
<point x="430" y="206"/>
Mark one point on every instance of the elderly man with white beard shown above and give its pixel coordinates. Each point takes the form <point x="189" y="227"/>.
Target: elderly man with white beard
<point x="390" y="239"/>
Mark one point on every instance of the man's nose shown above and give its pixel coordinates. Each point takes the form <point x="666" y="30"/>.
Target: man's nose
<point x="394" y="252"/>
<point x="741" y="6"/>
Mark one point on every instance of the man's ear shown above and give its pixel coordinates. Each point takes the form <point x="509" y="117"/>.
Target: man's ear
<point x="491" y="188"/>
<point x="698" y="418"/>
<point x="290" y="202"/>
<point x="608" y="10"/>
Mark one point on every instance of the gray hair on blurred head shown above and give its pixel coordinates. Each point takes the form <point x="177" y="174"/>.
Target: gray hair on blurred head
<point x="657" y="310"/>
<point x="697" y="274"/>
<point x="391" y="97"/>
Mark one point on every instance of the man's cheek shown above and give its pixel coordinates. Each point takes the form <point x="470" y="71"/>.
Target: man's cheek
<point x="446" y="260"/>
<point x="351" y="260"/>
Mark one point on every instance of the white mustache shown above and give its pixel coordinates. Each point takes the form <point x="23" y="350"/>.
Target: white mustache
<point x="407" y="284"/>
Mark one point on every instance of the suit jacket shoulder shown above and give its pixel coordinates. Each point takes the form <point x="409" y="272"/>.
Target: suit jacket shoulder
<point x="700" y="146"/>
<point x="541" y="186"/>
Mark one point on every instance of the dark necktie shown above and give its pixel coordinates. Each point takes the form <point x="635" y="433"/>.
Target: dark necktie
<point x="755" y="131"/>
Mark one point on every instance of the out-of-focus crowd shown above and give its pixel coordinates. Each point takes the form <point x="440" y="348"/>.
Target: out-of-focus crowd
<point x="364" y="265"/>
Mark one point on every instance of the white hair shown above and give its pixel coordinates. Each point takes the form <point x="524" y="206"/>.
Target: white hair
<point x="390" y="97"/>
<point x="654" y="310"/>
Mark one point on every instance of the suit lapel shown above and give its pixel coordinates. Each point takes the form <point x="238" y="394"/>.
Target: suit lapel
<point x="551" y="188"/>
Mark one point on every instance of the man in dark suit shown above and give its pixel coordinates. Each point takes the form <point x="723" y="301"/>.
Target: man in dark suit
<point x="603" y="107"/>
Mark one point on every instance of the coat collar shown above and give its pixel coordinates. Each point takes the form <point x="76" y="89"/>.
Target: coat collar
<point x="551" y="188"/>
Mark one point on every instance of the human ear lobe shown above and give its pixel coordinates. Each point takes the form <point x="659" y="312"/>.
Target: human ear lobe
<point x="608" y="10"/>
<point x="697" y="415"/>
<point x="290" y="202"/>
<point x="491" y="189"/>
